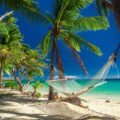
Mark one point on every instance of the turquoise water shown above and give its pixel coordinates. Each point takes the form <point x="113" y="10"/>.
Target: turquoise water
<point x="111" y="88"/>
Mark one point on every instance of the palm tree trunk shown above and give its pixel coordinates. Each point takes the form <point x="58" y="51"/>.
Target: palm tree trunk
<point x="116" y="9"/>
<point x="59" y="63"/>
<point x="107" y="4"/>
<point x="1" y="77"/>
<point x="51" y="91"/>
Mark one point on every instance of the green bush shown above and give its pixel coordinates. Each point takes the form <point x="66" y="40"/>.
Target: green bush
<point x="12" y="85"/>
<point x="38" y="95"/>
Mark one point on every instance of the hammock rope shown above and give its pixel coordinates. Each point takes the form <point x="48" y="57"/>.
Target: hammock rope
<point x="75" y="89"/>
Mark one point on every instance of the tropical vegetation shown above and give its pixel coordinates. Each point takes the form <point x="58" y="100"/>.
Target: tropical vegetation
<point x="66" y="22"/>
<point x="105" y="6"/>
<point x="17" y="59"/>
<point x="27" y="8"/>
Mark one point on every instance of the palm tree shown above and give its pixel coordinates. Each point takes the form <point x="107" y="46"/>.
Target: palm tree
<point x="16" y="57"/>
<point x="66" y="22"/>
<point x="10" y="38"/>
<point x="103" y="7"/>
<point x="28" y="8"/>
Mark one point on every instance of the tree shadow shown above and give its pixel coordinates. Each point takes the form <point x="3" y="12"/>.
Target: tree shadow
<point x="20" y="99"/>
<point x="33" y="116"/>
<point x="91" y="117"/>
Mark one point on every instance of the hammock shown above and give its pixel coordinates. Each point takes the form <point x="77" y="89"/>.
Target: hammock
<point x="75" y="89"/>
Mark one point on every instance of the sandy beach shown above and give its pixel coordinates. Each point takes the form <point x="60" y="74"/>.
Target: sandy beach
<point x="24" y="108"/>
<point x="60" y="60"/>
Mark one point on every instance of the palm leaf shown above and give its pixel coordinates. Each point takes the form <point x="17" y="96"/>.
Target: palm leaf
<point x="79" y="60"/>
<point x="101" y="8"/>
<point x="46" y="43"/>
<point x="77" y="40"/>
<point x="70" y="7"/>
<point x="74" y="45"/>
<point x="86" y="24"/>
<point x="28" y="8"/>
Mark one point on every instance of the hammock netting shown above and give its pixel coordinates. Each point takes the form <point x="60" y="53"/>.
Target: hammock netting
<point x="74" y="85"/>
<point x="77" y="86"/>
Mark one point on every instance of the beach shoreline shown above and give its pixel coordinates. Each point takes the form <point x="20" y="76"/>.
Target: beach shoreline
<point x="26" y="108"/>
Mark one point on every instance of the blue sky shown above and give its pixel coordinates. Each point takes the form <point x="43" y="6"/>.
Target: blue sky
<point x="105" y="40"/>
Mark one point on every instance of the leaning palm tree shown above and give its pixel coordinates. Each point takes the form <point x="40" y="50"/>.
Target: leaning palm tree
<point x="66" y="22"/>
<point x="10" y="38"/>
<point x="16" y="57"/>
<point x="104" y="6"/>
<point x="28" y="8"/>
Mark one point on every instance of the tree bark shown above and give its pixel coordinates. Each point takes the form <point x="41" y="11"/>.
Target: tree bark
<point x="51" y="91"/>
<point x="107" y="4"/>
<point x="59" y="62"/>
<point x="18" y="81"/>
<point x="1" y="77"/>
<point x="34" y="93"/>
<point x="116" y="9"/>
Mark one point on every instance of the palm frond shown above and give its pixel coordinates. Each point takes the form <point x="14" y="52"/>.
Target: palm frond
<point x="46" y="43"/>
<point x="5" y="15"/>
<point x="79" y="60"/>
<point x="28" y="8"/>
<point x="75" y="45"/>
<point x="76" y="41"/>
<point x="71" y="41"/>
<point x="70" y="7"/>
<point x="74" y="4"/>
<point x="101" y="7"/>
<point x="86" y="24"/>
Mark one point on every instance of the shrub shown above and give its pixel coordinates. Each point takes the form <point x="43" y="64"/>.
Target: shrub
<point x="38" y="95"/>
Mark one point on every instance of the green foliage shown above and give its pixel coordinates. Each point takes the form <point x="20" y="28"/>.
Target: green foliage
<point x="101" y="8"/>
<point x="46" y="43"/>
<point x="32" y="62"/>
<point x="10" y="39"/>
<point x="76" y="41"/>
<point x="71" y="8"/>
<point x="37" y="85"/>
<point x="18" y="59"/>
<point x="11" y="84"/>
<point x="38" y="95"/>
<point x="83" y="24"/>
<point x="67" y="21"/>
<point x="28" y="8"/>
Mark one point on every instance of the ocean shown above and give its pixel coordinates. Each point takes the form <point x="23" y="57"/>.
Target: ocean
<point x="111" y="89"/>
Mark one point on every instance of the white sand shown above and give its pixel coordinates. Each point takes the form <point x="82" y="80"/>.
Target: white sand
<point x="101" y="106"/>
<point x="19" y="108"/>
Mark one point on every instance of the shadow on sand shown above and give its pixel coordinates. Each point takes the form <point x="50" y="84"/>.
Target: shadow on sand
<point x="54" y="117"/>
<point x="19" y="116"/>
<point x="89" y="117"/>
